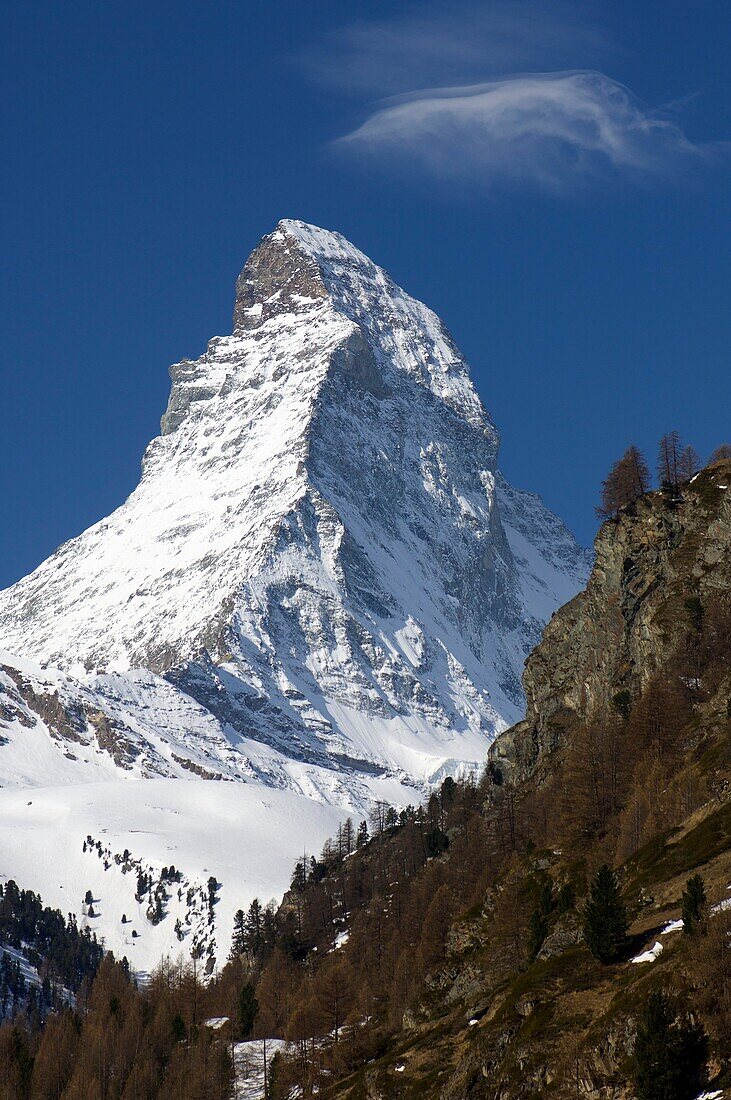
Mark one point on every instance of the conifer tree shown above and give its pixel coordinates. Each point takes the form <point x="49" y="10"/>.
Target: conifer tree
<point x="627" y="480"/>
<point x="361" y="838"/>
<point x="668" y="461"/>
<point x="605" y="917"/>
<point x="689" y="463"/>
<point x="141" y="886"/>
<point x="670" y="1053"/>
<point x="238" y="940"/>
<point x="299" y="875"/>
<point x="721" y="453"/>
<point x="693" y="904"/>
<point x="539" y="919"/>
<point x="254" y="927"/>
<point x="247" y="1008"/>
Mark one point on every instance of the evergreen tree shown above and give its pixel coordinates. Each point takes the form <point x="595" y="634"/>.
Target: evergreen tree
<point x="247" y="1008"/>
<point x="141" y="886"/>
<point x="693" y="903"/>
<point x="670" y="1053"/>
<point x="275" y="1074"/>
<point x="254" y="927"/>
<point x="436" y="842"/>
<point x="361" y="838"/>
<point x="178" y="1029"/>
<point x="238" y="940"/>
<point x="299" y="875"/>
<point x="539" y="920"/>
<point x="605" y="917"/>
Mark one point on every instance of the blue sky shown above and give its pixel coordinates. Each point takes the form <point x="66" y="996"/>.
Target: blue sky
<point x="552" y="178"/>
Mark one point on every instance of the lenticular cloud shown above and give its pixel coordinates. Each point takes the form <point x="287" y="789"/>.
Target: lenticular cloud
<point x="548" y="129"/>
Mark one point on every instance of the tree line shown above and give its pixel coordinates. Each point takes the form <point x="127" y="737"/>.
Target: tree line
<point x="63" y="955"/>
<point x="629" y="478"/>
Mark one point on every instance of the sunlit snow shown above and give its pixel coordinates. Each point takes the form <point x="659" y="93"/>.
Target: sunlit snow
<point x="320" y="594"/>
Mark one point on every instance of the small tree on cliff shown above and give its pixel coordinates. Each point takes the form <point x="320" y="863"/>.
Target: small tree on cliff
<point x="721" y="453"/>
<point x="627" y="480"/>
<point x="668" y="461"/>
<point x="693" y="904"/>
<point x="689" y="463"/>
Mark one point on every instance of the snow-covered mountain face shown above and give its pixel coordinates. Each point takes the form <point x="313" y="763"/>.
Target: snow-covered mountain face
<point x="321" y="583"/>
<point x="317" y="550"/>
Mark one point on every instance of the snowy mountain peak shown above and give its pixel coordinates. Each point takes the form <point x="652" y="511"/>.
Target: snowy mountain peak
<point x="322" y="583"/>
<point x="298" y="265"/>
<point x="322" y="504"/>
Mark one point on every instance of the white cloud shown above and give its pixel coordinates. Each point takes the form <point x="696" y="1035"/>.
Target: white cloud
<point x="546" y="129"/>
<point x="447" y="42"/>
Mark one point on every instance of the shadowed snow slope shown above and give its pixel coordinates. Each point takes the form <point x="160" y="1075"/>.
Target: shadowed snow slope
<point x="321" y="583"/>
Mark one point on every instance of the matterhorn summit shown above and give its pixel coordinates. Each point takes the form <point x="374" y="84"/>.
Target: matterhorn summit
<point x="322" y="584"/>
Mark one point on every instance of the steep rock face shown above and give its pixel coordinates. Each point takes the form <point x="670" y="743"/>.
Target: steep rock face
<point x="651" y="563"/>
<point x="320" y="552"/>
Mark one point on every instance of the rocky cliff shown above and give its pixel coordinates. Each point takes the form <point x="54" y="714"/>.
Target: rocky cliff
<point x="657" y="564"/>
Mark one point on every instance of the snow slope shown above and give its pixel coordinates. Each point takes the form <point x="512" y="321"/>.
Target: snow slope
<point x="322" y="585"/>
<point x="242" y="834"/>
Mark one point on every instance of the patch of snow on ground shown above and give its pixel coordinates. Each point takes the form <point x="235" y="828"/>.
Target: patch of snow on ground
<point x="649" y="956"/>
<point x="721" y="906"/>
<point x="249" y="1066"/>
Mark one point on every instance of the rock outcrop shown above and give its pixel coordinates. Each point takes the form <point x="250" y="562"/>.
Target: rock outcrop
<point x="657" y="564"/>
